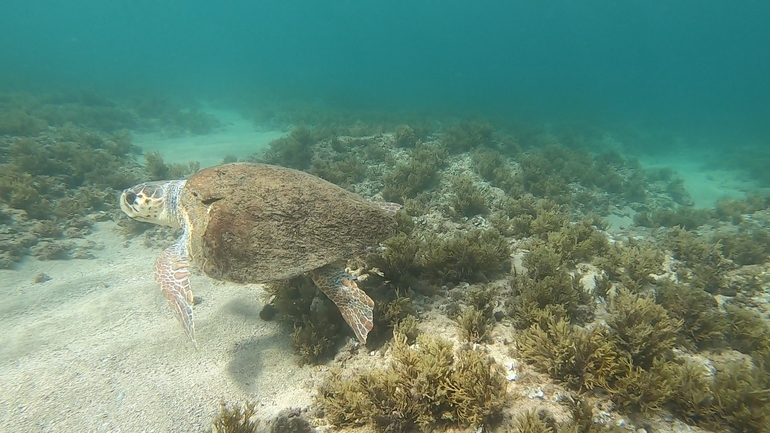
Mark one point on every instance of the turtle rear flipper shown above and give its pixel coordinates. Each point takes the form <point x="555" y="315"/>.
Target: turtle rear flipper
<point x="172" y="273"/>
<point x="356" y="306"/>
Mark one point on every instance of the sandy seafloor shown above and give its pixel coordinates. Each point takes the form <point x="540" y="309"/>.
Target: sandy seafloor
<point x="96" y="348"/>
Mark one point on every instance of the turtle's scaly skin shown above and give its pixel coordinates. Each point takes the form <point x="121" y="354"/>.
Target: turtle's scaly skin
<point x="255" y="223"/>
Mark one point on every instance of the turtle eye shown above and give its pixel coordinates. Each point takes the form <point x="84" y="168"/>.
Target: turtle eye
<point x="130" y="198"/>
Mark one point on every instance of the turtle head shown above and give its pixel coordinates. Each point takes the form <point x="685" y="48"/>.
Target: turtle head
<point x="153" y="202"/>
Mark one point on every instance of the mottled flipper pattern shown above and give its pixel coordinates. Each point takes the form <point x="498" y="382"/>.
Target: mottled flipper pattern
<point x="356" y="307"/>
<point x="172" y="273"/>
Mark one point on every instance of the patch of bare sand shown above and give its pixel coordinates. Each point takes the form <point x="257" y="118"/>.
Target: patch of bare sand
<point x="237" y="137"/>
<point x="97" y="349"/>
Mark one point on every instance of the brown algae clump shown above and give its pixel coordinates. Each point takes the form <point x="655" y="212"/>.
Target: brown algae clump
<point x="424" y="387"/>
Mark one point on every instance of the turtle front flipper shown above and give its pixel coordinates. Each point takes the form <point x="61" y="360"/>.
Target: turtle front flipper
<point x="172" y="273"/>
<point x="356" y="306"/>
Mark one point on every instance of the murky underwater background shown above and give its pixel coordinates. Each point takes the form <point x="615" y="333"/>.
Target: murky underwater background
<point x="683" y="64"/>
<point x="583" y="247"/>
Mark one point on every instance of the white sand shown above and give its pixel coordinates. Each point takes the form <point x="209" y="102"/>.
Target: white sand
<point x="237" y="137"/>
<point x="97" y="349"/>
<point x="705" y="185"/>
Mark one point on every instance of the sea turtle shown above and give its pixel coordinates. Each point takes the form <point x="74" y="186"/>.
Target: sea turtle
<point x="254" y="223"/>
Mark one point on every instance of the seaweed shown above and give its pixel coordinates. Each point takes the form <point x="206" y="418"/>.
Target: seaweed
<point x="631" y="264"/>
<point x="117" y="143"/>
<point x="631" y="358"/>
<point x="466" y="256"/>
<point x="404" y="136"/>
<point x="642" y="328"/>
<point x="733" y="210"/>
<point x="549" y="217"/>
<point x="236" y="419"/>
<point x="105" y="118"/>
<point x="693" y="397"/>
<point x="527" y="204"/>
<point x="476" y="321"/>
<point x="17" y="122"/>
<point x="494" y="167"/>
<point x="517" y="216"/>
<point x="580" y="358"/>
<point x="742" y="397"/>
<point x="47" y="229"/>
<point x="482" y="297"/>
<point x="549" y="171"/>
<point x="691" y="249"/>
<point x="541" y="177"/>
<point x="406" y="180"/>
<point x="398" y="261"/>
<point x="475" y="389"/>
<point x="542" y="261"/>
<point x="602" y="286"/>
<point x="391" y="308"/>
<point x="422" y="389"/>
<point x="635" y="188"/>
<point x="548" y="286"/>
<point x="467" y="136"/>
<point x="14" y="245"/>
<point x="685" y="217"/>
<point x="34" y="157"/>
<point x="343" y="170"/>
<point x="377" y="152"/>
<point x="747" y="247"/>
<point x="81" y="202"/>
<point x="644" y="389"/>
<point x="678" y="193"/>
<point x="708" y="265"/>
<point x="468" y="200"/>
<point x="703" y="324"/>
<point x="583" y="418"/>
<point x="26" y="192"/>
<point x="579" y="241"/>
<point x="314" y="338"/>
<point x="295" y="150"/>
<point x="532" y="421"/>
<point x="316" y="321"/>
<point x="486" y="163"/>
<point x="505" y="224"/>
<point x="408" y="328"/>
<point x="559" y="293"/>
<point x="404" y="222"/>
<point x="48" y="250"/>
<point x="418" y="174"/>
<point x="746" y="332"/>
<point x="156" y="169"/>
<point x="46" y="176"/>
